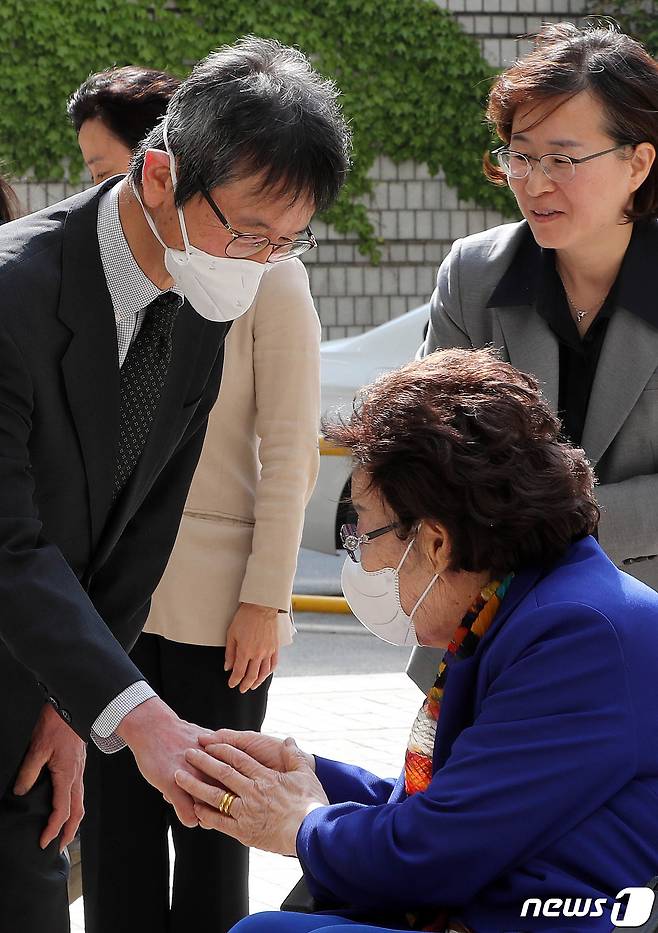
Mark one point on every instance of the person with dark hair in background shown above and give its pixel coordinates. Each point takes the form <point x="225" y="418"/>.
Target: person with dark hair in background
<point x="8" y="202"/>
<point x="115" y="307"/>
<point x="112" y="111"/>
<point x="220" y="613"/>
<point x="531" y="772"/>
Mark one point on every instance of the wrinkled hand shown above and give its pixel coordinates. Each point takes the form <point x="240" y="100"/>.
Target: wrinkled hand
<point x="270" y="805"/>
<point x="252" y="646"/>
<point x="158" y="739"/>
<point x="265" y="749"/>
<point x="57" y="746"/>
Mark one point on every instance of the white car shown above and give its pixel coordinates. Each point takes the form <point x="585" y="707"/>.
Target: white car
<point x="346" y="365"/>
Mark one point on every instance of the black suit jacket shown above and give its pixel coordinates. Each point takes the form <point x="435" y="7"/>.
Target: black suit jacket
<point x="76" y="573"/>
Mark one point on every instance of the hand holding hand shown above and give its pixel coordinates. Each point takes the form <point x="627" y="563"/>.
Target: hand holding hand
<point x="159" y="739"/>
<point x="265" y="749"/>
<point x="270" y="805"/>
<point x="252" y="645"/>
<point x="57" y="746"/>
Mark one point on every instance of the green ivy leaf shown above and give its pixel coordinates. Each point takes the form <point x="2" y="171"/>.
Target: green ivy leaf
<point x="412" y="83"/>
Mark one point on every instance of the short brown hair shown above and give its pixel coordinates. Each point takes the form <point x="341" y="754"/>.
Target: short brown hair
<point x="468" y="441"/>
<point x="567" y="60"/>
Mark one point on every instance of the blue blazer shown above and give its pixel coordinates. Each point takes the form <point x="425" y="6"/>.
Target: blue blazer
<point x="545" y="768"/>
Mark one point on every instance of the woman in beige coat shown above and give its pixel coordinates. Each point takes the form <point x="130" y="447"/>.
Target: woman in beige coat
<point x="221" y="612"/>
<point x="229" y="579"/>
<point x="224" y="600"/>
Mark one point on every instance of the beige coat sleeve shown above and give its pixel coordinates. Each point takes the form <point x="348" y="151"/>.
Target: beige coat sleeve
<point x="287" y="390"/>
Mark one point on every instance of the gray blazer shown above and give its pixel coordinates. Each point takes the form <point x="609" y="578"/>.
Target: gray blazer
<point x="620" y="435"/>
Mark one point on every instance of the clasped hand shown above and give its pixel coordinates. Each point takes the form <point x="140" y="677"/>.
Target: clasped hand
<point x="251" y="646"/>
<point x="274" y="782"/>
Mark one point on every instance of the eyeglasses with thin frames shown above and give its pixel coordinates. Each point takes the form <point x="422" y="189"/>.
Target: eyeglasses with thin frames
<point x="244" y="245"/>
<point x="555" y="165"/>
<point x="352" y="540"/>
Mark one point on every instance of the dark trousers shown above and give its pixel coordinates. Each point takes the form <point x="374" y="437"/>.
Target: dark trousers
<point x="125" y="860"/>
<point x="33" y="894"/>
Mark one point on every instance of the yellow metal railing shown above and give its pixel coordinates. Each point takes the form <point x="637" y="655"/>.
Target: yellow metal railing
<point x="336" y="604"/>
<point x="327" y="449"/>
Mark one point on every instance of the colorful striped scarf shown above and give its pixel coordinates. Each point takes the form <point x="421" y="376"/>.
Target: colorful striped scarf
<point x="418" y="759"/>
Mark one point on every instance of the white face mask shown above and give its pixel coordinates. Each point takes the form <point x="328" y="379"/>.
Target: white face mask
<point x="218" y="288"/>
<point x="374" y="598"/>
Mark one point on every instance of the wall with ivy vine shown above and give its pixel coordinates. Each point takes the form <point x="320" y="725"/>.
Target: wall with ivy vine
<point x="412" y="82"/>
<point x="414" y="75"/>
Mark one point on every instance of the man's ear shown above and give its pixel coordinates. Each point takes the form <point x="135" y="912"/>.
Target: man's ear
<point x="157" y="188"/>
<point x="434" y="542"/>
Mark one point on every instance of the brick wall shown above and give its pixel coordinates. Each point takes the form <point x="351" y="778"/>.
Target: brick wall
<point x="417" y="215"/>
<point x="35" y="196"/>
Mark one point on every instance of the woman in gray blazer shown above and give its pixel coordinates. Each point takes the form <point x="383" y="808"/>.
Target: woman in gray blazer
<point x="570" y="293"/>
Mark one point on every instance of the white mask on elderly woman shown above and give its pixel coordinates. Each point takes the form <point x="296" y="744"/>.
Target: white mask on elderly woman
<point x="219" y="288"/>
<point x="374" y="598"/>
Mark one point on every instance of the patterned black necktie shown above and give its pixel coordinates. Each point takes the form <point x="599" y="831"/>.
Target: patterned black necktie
<point x="143" y="375"/>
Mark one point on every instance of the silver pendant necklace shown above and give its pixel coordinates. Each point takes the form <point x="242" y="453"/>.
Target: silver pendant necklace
<point x="580" y="313"/>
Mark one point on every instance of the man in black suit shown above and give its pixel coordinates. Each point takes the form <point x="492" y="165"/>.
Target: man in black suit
<point x="96" y="458"/>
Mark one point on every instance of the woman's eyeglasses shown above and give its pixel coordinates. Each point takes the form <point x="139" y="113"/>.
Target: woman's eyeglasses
<point x="352" y="540"/>
<point x="559" y="168"/>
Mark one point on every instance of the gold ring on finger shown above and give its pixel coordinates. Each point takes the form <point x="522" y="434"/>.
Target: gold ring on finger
<point x="225" y="803"/>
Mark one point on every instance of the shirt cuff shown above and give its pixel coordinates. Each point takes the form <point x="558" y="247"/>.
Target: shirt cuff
<point x="103" y="731"/>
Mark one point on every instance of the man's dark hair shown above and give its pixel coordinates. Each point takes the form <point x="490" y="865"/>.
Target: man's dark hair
<point x="129" y="100"/>
<point x="465" y="440"/>
<point x="255" y="108"/>
<point x="567" y="60"/>
<point x="9" y="206"/>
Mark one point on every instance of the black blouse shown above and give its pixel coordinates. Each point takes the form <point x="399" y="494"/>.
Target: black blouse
<point x="533" y="279"/>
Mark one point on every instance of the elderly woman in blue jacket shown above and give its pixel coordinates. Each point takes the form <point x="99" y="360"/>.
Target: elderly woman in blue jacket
<point x="528" y="798"/>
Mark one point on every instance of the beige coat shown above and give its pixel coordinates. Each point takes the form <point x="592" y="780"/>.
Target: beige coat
<point x="242" y="524"/>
